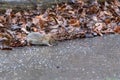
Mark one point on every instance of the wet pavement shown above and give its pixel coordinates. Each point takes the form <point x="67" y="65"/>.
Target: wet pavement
<point x="81" y="59"/>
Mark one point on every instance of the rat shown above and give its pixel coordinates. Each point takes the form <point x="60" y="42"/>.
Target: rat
<point x="36" y="38"/>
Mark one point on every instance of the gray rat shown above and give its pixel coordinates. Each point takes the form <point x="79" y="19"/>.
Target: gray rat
<point x="36" y="38"/>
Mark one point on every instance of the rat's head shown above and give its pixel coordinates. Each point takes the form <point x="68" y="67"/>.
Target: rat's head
<point x="50" y="37"/>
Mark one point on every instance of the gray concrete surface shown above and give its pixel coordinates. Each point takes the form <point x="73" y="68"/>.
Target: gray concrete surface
<point x="81" y="59"/>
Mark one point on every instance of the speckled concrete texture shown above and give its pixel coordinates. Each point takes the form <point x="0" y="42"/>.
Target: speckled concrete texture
<point x="81" y="59"/>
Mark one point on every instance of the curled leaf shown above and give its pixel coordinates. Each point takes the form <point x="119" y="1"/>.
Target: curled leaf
<point x="117" y="29"/>
<point x="74" y="22"/>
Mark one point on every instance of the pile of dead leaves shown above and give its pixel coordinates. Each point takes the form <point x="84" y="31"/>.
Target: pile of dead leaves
<point x="64" y="21"/>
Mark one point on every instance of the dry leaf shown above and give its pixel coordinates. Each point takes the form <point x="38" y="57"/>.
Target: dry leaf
<point x="98" y="28"/>
<point x="1" y="25"/>
<point x="117" y="29"/>
<point x="74" y="22"/>
<point x="8" y="12"/>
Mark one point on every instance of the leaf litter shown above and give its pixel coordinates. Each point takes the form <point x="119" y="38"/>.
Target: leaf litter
<point x="65" y="21"/>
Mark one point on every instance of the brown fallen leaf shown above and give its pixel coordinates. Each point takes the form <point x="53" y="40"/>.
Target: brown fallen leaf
<point x="98" y="28"/>
<point x="2" y="19"/>
<point x="1" y="25"/>
<point x="18" y="43"/>
<point x="74" y="22"/>
<point x="8" y="12"/>
<point x="107" y="20"/>
<point x="117" y="29"/>
<point x="42" y="21"/>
